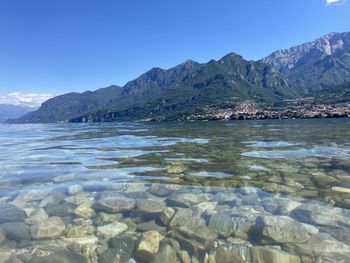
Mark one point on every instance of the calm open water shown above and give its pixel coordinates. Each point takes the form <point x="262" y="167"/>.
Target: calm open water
<point x="241" y="191"/>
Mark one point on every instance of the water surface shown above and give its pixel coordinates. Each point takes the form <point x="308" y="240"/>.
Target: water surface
<point x="200" y="190"/>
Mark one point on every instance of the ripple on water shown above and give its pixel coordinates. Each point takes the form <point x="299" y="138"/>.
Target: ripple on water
<point x="197" y="160"/>
<point x="328" y="152"/>
<point x="258" y="168"/>
<point x="262" y="144"/>
<point x="133" y="141"/>
<point x="211" y="174"/>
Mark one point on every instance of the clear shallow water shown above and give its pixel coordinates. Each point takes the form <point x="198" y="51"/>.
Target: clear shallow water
<point x="257" y="191"/>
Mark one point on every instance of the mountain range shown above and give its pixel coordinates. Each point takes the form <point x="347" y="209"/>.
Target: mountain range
<point x="315" y="65"/>
<point x="320" y="68"/>
<point x="8" y="111"/>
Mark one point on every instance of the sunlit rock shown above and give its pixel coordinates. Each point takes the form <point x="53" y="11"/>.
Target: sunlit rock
<point x="148" y="246"/>
<point x="50" y="228"/>
<point x="111" y="230"/>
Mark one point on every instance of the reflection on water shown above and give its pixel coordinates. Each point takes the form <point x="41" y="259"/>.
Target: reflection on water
<point x="256" y="144"/>
<point x="258" y="191"/>
<point x="302" y="153"/>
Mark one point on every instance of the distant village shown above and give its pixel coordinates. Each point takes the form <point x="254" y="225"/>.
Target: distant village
<point x="249" y="110"/>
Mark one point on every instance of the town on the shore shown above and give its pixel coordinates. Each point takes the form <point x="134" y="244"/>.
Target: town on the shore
<point x="293" y="109"/>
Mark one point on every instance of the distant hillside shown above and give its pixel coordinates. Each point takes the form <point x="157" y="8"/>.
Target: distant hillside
<point x="67" y="106"/>
<point x="8" y="111"/>
<point x="315" y="65"/>
<point x="189" y="87"/>
<point x="335" y="94"/>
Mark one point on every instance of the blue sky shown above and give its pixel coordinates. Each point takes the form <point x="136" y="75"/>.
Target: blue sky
<point x="59" y="46"/>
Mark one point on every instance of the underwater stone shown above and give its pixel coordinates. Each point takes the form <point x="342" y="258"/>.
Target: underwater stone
<point x="272" y="255"/>
<point x="187" y="199"/>
<point x="166" y="215"/>
<point x="317" y="214"/>
<point x="10" y="213"/>
<point x="115" y="204"/>
<point x="16" y="231"/>
<point x="112" y="230"/>
<point x="148" y="246"/>
<point x="166" y="254"/>
<point x="50" y="228"/>
<point x="74" y="189"/>
<point x="280" y="229"/>
<point x="84" y="210"/>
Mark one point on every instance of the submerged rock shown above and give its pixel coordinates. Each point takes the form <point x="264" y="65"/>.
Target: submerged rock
<point x="323" y="243"/>
<point x="195" y="236"/>
<point x="29" y="196"/>
<point x="184" y="256"/>
<point x="2" y="235"/>
<point x="54" y="198"/>
<point x="10" y="213"/>
<point x="61" y="210"/>
<point x="35" y="215"/>
<point x="115" y="204"/>
<point x="16" y="231"/>
<point x="181" y="217"/>
<point x="151" y="225"/>
<point x="149" y="206"/>
<point x="122" y="247"/>
<point x="222" y="224"/>
<point x="86" y="245"/>
<point x="272" y="255"/>
<point x="50" y="228"/>
<point x="171" y="242"/>
<point x="74" y="189"/>
<point x="340" y="233"/>
<point x="230" y="198"/>
<point x="8" y="256"/>
<point x="341" y="189"/>
<point x="148" y="246"/>
<point x="84" y="210"/>
<point x="280" y="229"/>
<point x="280" y="206"/>
<point x="59" y="256"/>
<point x="167" y="254"/>
<point x="81" y="231"/>
<point x="166" y="215"/>
<point x="320" y="245"/>
<point x="317" y="214"/>
<point x="237" y="254"/>
<point x="196" y="228"/>
<point x="164" y="189"/>
<point x="333" y="257"/>
<point x="187" y="199"/>
<point x="111" y="230"/>
<point x="205" y="207"/>
<point x="107" y="257"/>
<point x="175" y="168"/>
<point x="104" y="218"/>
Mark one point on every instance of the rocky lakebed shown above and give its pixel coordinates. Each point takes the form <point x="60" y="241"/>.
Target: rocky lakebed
<point x="170" y="223"/>
<point x="250" y="192"/>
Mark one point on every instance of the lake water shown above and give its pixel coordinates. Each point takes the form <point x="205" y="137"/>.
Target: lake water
<point x="241" y="191"/>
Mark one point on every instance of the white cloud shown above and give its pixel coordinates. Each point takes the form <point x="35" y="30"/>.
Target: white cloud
<point x="334" y="2"/>
<point x="33" y="100"/>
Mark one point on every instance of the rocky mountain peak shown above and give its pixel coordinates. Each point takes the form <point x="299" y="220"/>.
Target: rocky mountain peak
<point x="329" y="43"/>
<point x="286" y="59"/>
<point x="316" y="64"/>
<point x="231" y="56"/>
